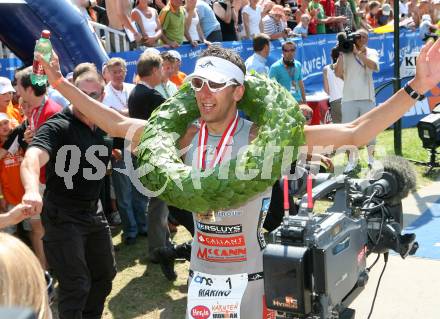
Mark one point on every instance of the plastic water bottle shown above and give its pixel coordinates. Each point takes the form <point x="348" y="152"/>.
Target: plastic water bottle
<point x="44" y="47"/>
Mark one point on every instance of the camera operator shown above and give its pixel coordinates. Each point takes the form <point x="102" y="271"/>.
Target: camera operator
<point x="356" y="69"/>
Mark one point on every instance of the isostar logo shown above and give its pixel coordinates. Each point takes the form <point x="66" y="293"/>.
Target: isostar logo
<point x="263" y="212"/>
<point x="234" y="241"/>
<point x="200" y="312"/>
<point x="225" y="311"/>
<point x="289" y="302"/>
<point x="222" y="255"/>
<point x="220" y="229"/>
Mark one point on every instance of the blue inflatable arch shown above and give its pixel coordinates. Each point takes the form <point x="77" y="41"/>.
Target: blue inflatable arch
<point x="21" y="22"/>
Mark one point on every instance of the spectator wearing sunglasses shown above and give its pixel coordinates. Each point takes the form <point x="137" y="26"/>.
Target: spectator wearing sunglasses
<point x="287" y="71"/>
<point x="23" y="282"/>
<point x="77" y="239"/>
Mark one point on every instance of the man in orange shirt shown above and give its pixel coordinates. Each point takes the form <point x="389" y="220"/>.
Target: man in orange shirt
<point x="6" y="90"/>
<point x="178" y="76"/>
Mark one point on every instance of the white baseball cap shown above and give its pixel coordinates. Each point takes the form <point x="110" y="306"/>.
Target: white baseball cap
<point x="386" y="9"/>
<point x="151" y="50"/>
<point x="175" y="54"/>
<point x="5" y="85"/>
<point x="4" y="116"/>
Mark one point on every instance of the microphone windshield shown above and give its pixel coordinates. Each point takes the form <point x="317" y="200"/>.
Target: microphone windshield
<point x="404" y="175"/>
<point x="341" y="36"/>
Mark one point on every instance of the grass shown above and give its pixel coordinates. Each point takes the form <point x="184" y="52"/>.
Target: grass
<point x="141" y="291"/>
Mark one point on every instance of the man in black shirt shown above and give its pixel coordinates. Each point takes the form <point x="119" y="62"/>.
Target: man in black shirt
<point x="77" y="239"/>
<point x="144" y="99"/>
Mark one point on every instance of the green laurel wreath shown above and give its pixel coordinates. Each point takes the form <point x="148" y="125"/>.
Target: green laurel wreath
<point x="268" y="105"/>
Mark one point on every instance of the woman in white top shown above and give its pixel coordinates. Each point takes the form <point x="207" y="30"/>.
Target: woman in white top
<point x="148" y="21"/>
<point x="252" y="21"/>
<point x="193" y="30"/>
<point x="333" y="86"/>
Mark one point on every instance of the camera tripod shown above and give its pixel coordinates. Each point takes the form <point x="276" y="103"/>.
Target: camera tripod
<point x="432" y="164"/>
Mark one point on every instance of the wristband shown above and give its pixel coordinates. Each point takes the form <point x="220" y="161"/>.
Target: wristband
<point x="412" y="93"/>
<point x="57" y="82"/>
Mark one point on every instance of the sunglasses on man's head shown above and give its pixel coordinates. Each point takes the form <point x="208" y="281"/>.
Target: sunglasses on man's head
<point x="197" y="84"/>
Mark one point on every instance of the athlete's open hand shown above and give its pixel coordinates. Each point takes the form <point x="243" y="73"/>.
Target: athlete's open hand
<point x="427" y="67"/>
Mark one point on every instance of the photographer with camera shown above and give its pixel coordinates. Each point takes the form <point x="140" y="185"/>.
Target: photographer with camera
<point x="355" y="65"/>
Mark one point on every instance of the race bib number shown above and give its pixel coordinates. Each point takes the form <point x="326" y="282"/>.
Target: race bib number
<point x="215" y="296"/>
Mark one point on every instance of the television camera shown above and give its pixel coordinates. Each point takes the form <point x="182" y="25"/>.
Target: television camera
<point x="316" y="265"/>
<point x="346" y="40"/>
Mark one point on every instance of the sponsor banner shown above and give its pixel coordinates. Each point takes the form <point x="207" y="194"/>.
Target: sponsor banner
<point x="219" y="229"/>
<point x="222" y="255"/>
<point x="233" y="241"/>
<point x="313" y="53"/>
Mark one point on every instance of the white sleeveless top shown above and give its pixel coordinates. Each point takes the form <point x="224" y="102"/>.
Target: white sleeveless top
<point x="335" y="84"/>
<point x="232" y="242"/>
<point x="193" y="26"/>
<point x="149" y="24"/>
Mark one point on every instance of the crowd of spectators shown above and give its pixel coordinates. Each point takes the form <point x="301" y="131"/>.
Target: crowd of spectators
<point x="156" y="23"/>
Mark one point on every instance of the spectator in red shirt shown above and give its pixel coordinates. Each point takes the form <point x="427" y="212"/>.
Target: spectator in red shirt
<point x="43" y="108"/>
